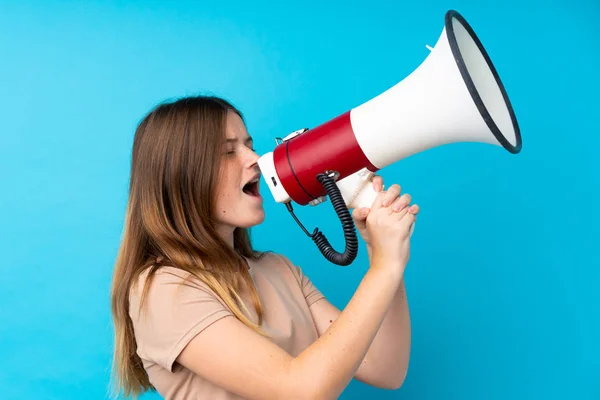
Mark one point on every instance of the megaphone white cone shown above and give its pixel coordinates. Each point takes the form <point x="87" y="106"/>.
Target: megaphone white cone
<point x="455" y="95"/>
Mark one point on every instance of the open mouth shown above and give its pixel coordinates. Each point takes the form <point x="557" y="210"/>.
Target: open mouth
<point x="251" y="188"/>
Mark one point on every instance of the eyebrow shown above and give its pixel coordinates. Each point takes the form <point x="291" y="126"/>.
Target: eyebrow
<point x="248" y="139"/>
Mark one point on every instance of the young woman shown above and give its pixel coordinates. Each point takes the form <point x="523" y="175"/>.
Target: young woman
<point x="199" y="314"/>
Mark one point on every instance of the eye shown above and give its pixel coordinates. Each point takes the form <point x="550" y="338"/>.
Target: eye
<point x="229" y="148"/>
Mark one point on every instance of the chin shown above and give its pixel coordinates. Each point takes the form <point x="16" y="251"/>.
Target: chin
<point x="257" y="218"/>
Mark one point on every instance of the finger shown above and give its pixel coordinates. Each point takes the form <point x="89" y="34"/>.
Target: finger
<point x="378" y="200"/>
<point x="377" y="183"/>
<point x="390" y="195"/>
<point x="397" y="216"/>
<point x="401" y="202"/>
<point x="414" y="209"/>
<point x="407" y="220"/>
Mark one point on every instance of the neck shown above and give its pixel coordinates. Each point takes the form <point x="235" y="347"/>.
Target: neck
<point x="226" y="233"/>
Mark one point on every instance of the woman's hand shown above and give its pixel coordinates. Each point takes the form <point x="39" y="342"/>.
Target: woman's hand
<point x="389" y="199"/>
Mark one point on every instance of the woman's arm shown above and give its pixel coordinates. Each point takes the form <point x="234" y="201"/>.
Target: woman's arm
<point x="386" y="362"/>
<point x="241" y="361"/>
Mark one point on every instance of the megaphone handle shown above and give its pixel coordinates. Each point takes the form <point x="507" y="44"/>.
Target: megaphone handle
<point x="366" y="196"/>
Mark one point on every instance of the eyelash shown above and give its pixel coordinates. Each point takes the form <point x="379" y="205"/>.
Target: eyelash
<point x="230" y="152"/>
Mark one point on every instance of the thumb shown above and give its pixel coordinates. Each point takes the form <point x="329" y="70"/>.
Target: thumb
<point x="360" y="214"/>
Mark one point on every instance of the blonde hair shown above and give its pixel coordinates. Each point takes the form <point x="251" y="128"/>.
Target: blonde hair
<point x="168" y="221"/>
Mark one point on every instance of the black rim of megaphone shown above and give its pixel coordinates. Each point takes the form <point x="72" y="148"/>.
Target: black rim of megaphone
<point x="471" y="85"/>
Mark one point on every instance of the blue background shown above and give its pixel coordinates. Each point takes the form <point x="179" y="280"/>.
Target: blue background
<point x="503" y="280"/>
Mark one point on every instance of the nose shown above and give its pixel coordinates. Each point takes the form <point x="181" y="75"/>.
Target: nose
<point x="252" y="158"/>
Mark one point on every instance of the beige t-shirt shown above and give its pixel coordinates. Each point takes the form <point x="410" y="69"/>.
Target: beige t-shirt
<point x="173" y="314"/>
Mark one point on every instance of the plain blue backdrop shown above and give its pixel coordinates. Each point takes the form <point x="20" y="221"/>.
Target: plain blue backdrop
<point x="504" y="275"/>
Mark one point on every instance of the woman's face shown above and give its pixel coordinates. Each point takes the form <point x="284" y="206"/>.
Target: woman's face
<point x="239" y="203"/>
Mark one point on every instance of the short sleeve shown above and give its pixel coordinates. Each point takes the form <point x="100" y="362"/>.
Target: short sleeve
<point x="174" y="311"/>
<point x="310" y="291"/>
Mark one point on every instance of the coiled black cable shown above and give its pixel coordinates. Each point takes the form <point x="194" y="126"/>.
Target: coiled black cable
<point x="351" y="249"/>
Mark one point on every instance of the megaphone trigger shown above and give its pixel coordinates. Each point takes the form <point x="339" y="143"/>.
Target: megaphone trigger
<point x="357" y="189"/>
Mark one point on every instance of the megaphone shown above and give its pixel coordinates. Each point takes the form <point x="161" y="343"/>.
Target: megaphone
<point x="455" y="95"/>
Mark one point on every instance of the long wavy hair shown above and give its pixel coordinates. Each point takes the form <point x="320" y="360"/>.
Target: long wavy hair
<point x="175" y="167"/>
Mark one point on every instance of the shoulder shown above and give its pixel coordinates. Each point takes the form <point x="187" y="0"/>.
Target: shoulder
<point x="151" y="281"/>
<point x="166" y="288"/>
<point x="167" y="277"/>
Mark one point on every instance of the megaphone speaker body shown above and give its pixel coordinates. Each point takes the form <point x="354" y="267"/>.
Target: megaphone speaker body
<point x="455" y="95"/>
